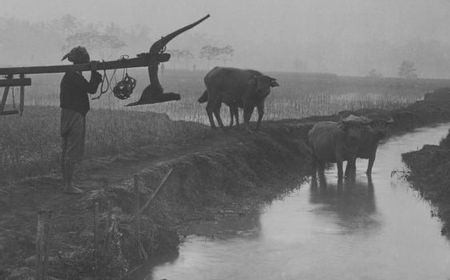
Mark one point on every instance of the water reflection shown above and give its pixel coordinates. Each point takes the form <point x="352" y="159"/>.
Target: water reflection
<point x="352" y="201"/>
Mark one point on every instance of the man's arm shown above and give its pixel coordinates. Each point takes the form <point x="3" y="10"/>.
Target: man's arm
<point x="96" y="79"/>
<point x="78" y="81"/>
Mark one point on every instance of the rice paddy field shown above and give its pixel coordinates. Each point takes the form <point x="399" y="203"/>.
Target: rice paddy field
<point x="30" y="145"/>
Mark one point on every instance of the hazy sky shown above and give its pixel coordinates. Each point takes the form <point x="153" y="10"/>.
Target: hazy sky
<point x="270" y="30"/>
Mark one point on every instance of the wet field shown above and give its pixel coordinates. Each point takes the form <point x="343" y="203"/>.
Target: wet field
<point x="370" y="229"/>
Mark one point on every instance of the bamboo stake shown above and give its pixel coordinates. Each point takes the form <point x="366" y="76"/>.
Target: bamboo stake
<point x="96" y="237"/>
<point x="155" y="193"/>
<point x="43" y="228"/>
<point x="141" y="251"/>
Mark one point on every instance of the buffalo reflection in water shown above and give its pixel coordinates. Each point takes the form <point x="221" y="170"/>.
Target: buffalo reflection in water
<point x="351" y="204"/>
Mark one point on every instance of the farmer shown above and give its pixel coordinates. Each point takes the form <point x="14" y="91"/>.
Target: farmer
<point x="74" y="106"/>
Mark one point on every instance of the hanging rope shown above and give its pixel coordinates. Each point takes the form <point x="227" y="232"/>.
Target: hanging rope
<point x="123" y="89"/>
<point x="106" y="83"/>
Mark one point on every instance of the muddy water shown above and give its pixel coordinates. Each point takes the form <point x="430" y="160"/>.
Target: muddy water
<point x="366" y="230"/>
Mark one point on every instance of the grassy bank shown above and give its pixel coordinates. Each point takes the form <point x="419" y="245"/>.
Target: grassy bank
<point x="429" y="174"/>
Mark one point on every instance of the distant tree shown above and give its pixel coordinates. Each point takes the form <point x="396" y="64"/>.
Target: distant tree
<point x="212" y="52"/>
<point x="407" y="70"/>
<point x="373" y="73"/>
<point x="209" y="53"/>
<point x="226" y="53"/>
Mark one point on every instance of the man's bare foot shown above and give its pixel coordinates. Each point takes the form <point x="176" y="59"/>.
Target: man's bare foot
<point x="72" y="190"/>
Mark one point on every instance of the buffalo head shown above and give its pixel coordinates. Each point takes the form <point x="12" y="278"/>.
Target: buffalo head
<point x="261" y="84"/>
<point x="353" y="127"/>
<point x="379" y="125"/>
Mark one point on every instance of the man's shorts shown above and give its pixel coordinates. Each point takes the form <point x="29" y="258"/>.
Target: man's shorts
<point x="73" y="131"/>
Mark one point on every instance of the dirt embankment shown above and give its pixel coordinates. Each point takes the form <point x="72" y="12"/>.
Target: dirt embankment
<point x="214" y="174"/>
<point x="429" y="174"/>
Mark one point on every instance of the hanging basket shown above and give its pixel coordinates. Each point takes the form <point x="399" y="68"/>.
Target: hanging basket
<point x="124" y="88"/>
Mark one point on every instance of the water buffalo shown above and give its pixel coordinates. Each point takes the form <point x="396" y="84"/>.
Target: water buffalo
<point x="335" y="142"/>
<point x="236" y="88"/>
<point x="370" y="138"/>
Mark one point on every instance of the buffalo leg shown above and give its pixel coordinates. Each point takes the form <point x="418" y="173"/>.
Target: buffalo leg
<point x="248" y="110"/>
<point x="339" y="169"/>
<point x="321" y="173"/>
<point x="219" y="119"/>
<point x="321" y="168"/>
<point x="350" y="169"/>
<point x="210" y="111"/>
<point x="370" y="165"/>
<point x="260" y="114"/>
<point x="314" y="164"/>
<point x="231" y="116"/>
<point x="314" y="167"/>
<point x="216" y="112"/>
<point x="236" y="115"/>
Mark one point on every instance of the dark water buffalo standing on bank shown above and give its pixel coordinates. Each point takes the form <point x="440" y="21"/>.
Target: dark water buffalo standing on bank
<point x="234" y="106"/>
<point x="370" y="138"/>
<point x="335" y="142"/>
<point x="236" y="88"/>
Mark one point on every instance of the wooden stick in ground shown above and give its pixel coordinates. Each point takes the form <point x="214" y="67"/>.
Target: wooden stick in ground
<point x="141" y="251"/>
<point x="43" y="228"/>
<point x="107" y="234"/>
<point x="96" y="237"/>
<point x="155" y="193"/>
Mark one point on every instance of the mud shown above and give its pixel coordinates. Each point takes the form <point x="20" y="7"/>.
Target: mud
<point x="215" y="172"/>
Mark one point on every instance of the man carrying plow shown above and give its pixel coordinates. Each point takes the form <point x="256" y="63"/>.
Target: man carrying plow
<point x="74" y="103"/>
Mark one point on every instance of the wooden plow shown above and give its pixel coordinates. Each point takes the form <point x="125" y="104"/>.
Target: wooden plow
<point x="154" y="93"/>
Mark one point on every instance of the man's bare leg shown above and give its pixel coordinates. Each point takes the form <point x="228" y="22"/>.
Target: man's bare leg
<point x="69" y="167"/>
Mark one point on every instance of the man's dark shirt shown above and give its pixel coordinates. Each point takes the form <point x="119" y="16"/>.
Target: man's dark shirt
<point x="75" y="89"/>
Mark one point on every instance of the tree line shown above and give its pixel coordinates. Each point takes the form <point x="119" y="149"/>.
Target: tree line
<point x="43" y="43"/>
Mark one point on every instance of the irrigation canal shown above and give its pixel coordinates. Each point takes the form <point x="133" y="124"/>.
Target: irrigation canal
<point x="366" y="230"/>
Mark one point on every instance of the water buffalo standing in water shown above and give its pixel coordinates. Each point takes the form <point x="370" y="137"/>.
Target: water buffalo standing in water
<point x="236" y="88"/>
<point x="335" y="142"/>
<point x="370" y="138"/>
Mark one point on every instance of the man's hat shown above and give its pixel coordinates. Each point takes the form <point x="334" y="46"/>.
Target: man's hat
<point x="78" y="55"/>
